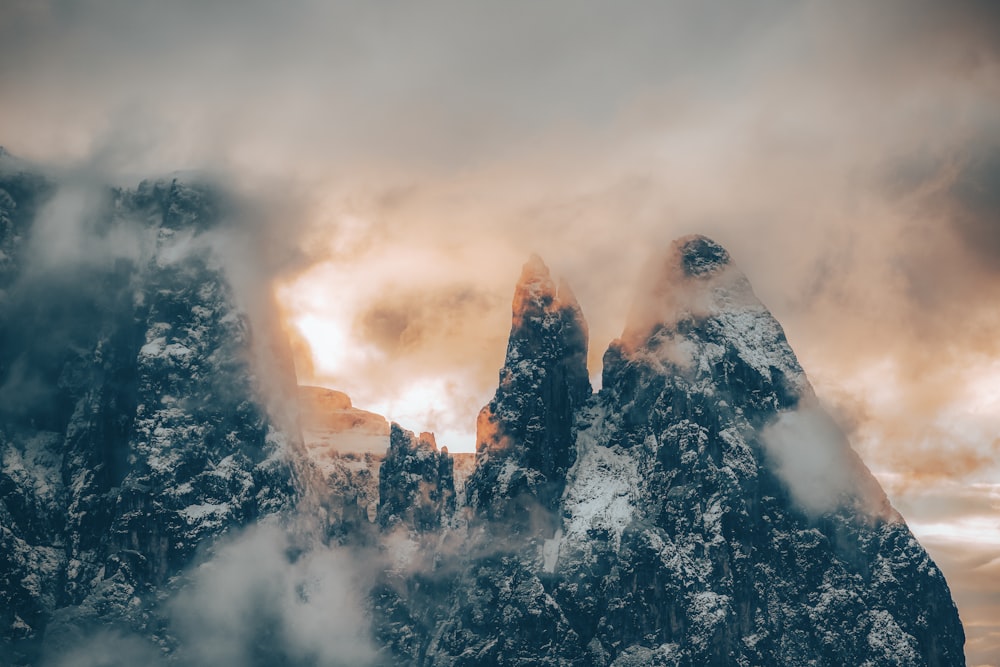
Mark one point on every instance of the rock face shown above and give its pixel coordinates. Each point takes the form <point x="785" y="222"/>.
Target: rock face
<point x="416" y="483"/>
<point x="345" y="448"/>
<point x="708" y="553"/>
<point x="525" y="438"/>
<point x="132" y="429"/>
<point x="700" y="509"/>
<point x="330" y="423"/>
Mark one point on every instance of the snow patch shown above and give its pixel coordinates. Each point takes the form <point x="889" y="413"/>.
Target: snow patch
<point x="35" y="466"/>
<point x="152" y="348"/>
<point x="760" y="342"/>
<point x="890" y="642"/>
<point x="198" y="513"/>
<point x="601" y="489"/>
<point x="550" y="552"/>
<point x="403" y="551"/>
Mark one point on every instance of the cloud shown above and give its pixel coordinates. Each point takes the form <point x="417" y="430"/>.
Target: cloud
<point x="957" y="524"/>
<point x="403" y="320"/>
<point x="841" y="152"/>
<point x="262" y="595"/>
<point x="972" y="200"/>
<point x="844" y="153"/>
<point x="107" y="649"/>
<point x="351" y="78"/>
<point x="810" y="454"/>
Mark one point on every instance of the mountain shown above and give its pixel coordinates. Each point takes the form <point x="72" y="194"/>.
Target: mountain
<point x="132" y="426"/>
<point x="700" y="508"/>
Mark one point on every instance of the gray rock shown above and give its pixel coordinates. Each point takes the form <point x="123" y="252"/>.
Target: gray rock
<point x="701" y="509"/>
<point x="708" y="511"/>
<point x="132" y="429"/>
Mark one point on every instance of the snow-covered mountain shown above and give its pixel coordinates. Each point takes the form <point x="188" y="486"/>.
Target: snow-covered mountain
<point x="700" y="509"/>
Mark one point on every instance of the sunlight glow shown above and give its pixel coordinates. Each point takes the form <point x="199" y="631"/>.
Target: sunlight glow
<point x="328" y="342"/>
<point x="977" y="530"/>
<point x="983" y="391"/>
<point x="323" y="316"/>
<point x="424" y="406"/>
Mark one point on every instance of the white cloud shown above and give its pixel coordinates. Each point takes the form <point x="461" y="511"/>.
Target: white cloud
<point x="260" y="589"/>
<point x="811" y="455"/>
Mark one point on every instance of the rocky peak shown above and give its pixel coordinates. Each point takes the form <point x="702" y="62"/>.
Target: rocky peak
<point x="701" y="255"/>
<point x="152" y="433"/>
<point x="692" y="513"/>
<point x="525" y="437"/>
<point x="416" y="483"/>
<point x="691" y="280"/>
<point x="695" y="316"/>
<point x="546" y="320"/>
<point x="707" y="451"/>
<point x="710" y="513"/>
<point x="535" y="288"/>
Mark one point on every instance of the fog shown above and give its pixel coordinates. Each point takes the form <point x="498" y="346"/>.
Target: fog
<point x="260" y="597"/>
<point x="405" y="160"/>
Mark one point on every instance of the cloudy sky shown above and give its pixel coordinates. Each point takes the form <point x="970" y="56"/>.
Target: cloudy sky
<point x="410" y="156"/>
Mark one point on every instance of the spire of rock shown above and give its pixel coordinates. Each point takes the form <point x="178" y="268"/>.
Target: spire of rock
<point x="525" y="438"/>
<point x="416" y="482"/>
<point x="696" y="312"/>
<point x="693" y="278"/>
<point x="712" y="513"/>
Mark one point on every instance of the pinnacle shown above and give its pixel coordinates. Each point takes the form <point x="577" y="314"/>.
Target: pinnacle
<point x="535" y="289"/>
<point x="534" y="267"/>
<point x="684" y="281"/>
<point x="700" y="255"/>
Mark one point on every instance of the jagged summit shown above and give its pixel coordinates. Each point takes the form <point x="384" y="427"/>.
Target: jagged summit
<point x="416" y="482"/>
<point x="535" y="290"/>
<point x="691" y="279"/>
<point x="534" y="270"/>
<point x="693" y="309"/>
<point x="701" y="255"/>
<point x="701" y="509"/>
<point x="548" y="330"/>
<point x="698" y="510"/>
<point x="152" y="433"/>
<point x="524" y="436"/>
<point x="538" y="299"/>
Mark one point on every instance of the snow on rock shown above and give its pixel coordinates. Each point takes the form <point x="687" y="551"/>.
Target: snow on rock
<point x="145" y="436"/>
<point x="679" y="537"/>
<point x="602" y="489"/>
<point x="550" y="551"/>
<point x="658" y="522"/>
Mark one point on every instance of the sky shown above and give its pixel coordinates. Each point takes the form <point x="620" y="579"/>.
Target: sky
<point x="409" y="157"/>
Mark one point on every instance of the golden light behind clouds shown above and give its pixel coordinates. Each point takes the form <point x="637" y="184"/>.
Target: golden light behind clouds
<point x="409" y="158"/>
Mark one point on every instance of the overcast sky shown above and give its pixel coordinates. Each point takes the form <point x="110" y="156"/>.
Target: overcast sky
<point x="412" y="156"/>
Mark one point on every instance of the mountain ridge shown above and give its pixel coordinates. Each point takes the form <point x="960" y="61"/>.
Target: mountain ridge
<point x="680" y="537"/>
<point x="700" y="508"/>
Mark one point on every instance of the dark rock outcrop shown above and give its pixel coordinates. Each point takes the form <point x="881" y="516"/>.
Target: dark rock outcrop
<point x="525" y="436"/>
<point x="701" y="509"/>
<point x="710" y="512"/>
<point x="416" y="483"/>
<point x="132" y="427"/>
